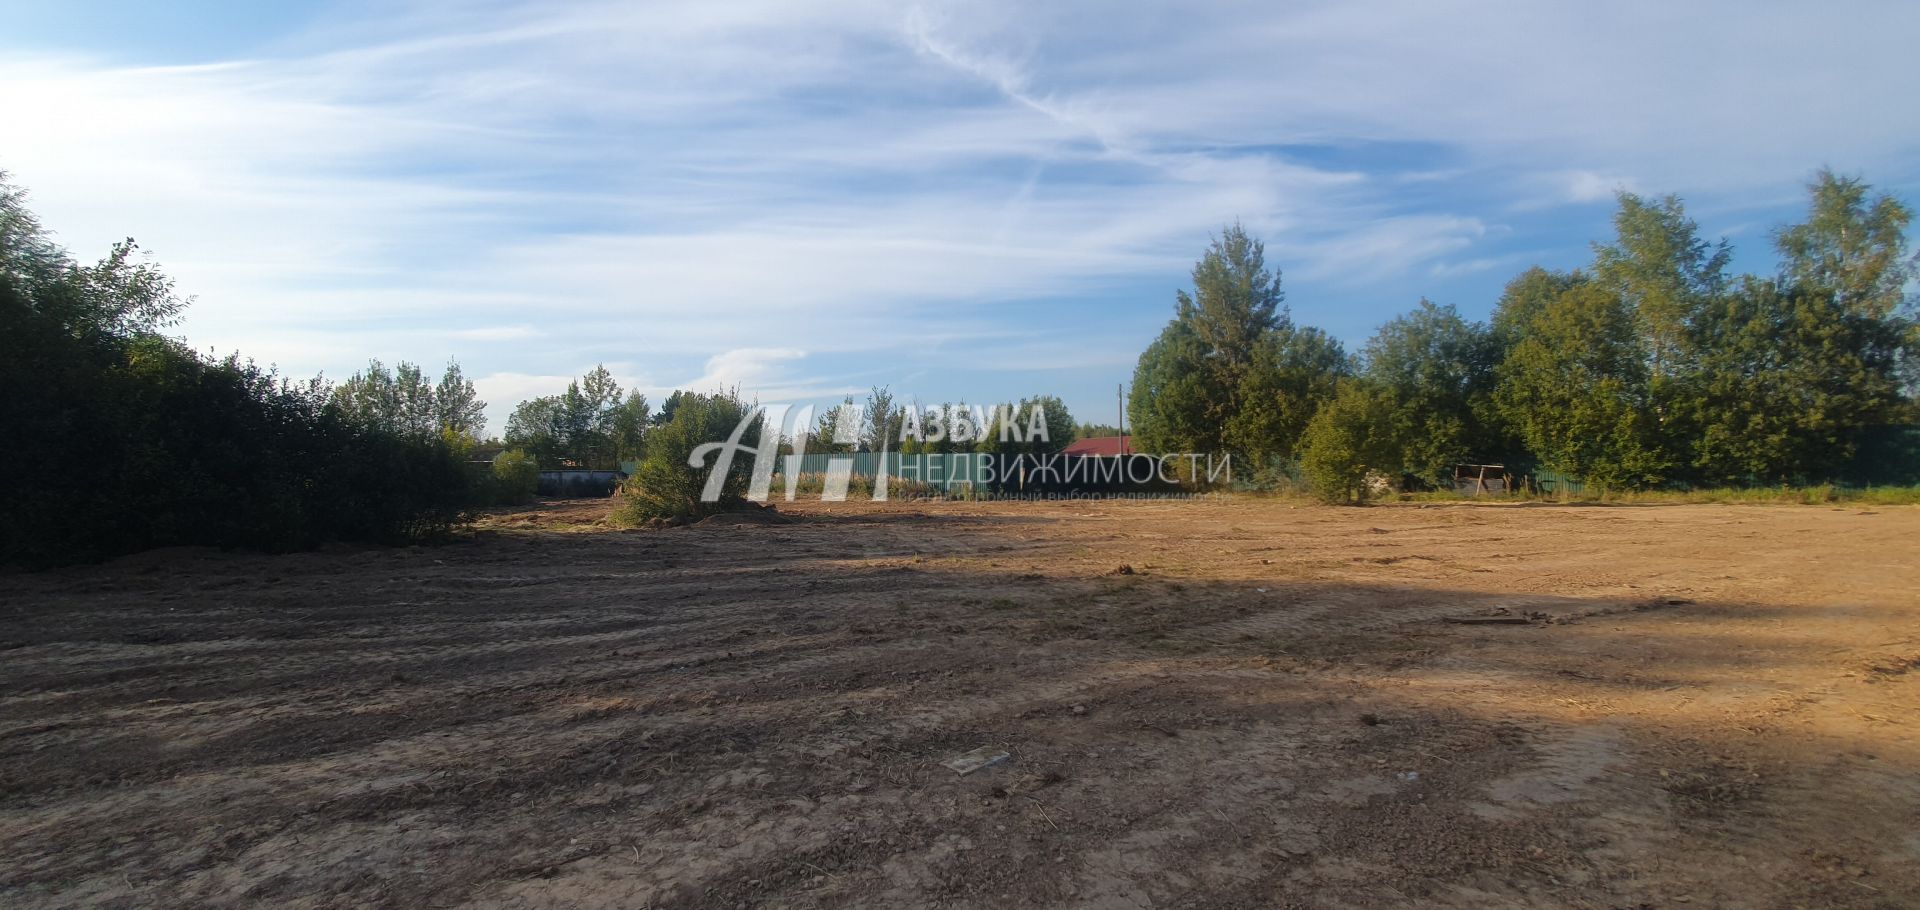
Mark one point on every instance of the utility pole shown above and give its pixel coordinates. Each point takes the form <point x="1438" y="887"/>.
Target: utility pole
<point x="1120" y="391"/>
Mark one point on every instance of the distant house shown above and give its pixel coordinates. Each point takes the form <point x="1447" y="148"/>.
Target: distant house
<point x="1100" y="447"/>
<point x="485" y="454"/>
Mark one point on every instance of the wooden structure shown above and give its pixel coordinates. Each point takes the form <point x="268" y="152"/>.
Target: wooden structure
<point x="1481" y="479"/>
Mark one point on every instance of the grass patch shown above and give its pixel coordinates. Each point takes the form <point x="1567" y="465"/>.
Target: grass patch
<point x="1822" y="494"/>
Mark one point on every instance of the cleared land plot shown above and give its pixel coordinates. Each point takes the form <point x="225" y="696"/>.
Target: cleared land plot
<point x="1269" y="706"/>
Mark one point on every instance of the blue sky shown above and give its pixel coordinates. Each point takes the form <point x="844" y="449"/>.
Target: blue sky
<point x="973" y="200"/>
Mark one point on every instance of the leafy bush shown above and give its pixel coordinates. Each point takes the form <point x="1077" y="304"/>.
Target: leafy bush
<point x="516" y="475"/>
<point x="1818" y="494"/>
<point x="859" y="486"/>
<point x="665" y="486"/>
<point x="1885" y="496"/>
<point x="120" y="439"/>
<point x="131" y="443"/>
<point x="1281" y="477"/>
<point x="1343" y="444"/>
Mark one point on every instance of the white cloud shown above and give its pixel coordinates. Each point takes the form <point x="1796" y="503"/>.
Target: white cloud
<point x="513" y="387"/>
<point x="1587" y="186"/>
<point x="765" y="374"/>
<point x="704" y="188"/>
<point x="1388" y="244"/>
<point x="497" y="333"/>
<point x="748" y="367"/>
<point x="1467" y="267"/>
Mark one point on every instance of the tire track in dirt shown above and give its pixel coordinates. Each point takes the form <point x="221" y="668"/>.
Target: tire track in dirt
<point x="767" y="732"/>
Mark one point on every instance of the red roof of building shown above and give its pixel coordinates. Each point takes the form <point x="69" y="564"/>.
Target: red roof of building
<point x="1102" y="446"/>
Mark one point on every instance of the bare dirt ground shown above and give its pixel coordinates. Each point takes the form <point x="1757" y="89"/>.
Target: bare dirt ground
<point x="1691" y="705"/>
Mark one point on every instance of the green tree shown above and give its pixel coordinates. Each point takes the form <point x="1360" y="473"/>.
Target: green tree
<point x="405" y="402"/>
<point x="516" y="477"/>
<point x="1525" y="298"/>
<point x="1851" y="247"/>
<point x="400" y="401"/>
<point x="1522" y="302"/>
<point x="1175" y="397"/>
<point x="590" y="425"/>
<point x="1061" y="431"/>
<point x="666" y="486"/>
<point x="29" y="259"/>
<point x="1781" y="387"/>
<point x="1796" y="370"/>
<point x="122" y="295"/>
<point x="667" y="407"/>
<point x="1665" y="274"/>
<point x="1294" y="371"/>
<point x="629" y="426"/>
<point x="1434" y="371"/>
<point x="1348" y="439"/>
<point x="120" y="292"/>
<point x="1187" y="387"/>
<point x="458" y="408"/>
<point x="587" y="415"/>
<point x="833" y="423"/>
<point x="1576" y="389"/>
<point x="959" y="420"/>
<point x="884" y="419"/>
<point x="1667" y="277"/>
<point x="1235" y="302"/>
<point x="534" y="427"/>
<point x="419" y="413"/>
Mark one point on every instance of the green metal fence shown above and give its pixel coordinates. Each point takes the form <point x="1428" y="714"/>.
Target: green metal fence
<point x="944" y="471"/>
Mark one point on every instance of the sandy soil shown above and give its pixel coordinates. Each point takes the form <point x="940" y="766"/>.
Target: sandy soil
<point x="1269" y="706"/>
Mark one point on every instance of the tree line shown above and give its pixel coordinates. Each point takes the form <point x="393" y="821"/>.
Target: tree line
<point x="407" y="402"/>
<point x="592" y="425"/>
<point x="120" y="438"/>
<point x="1650" y="367"/>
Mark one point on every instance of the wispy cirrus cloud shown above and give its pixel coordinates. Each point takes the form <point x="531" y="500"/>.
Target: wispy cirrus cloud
<point x="533" y="188"/>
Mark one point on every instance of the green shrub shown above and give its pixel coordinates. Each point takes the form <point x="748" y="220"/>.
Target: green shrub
<point x="664" y="486"/>
<point x="1887" y="496"/>
<point x="130" y="443"/>
<point x="1342" y="445"/>
<point x="120" y="439"/>
<point x="1272" y="475"/>
<point x="516" y="476"/>
<point x="859" y="486"/>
